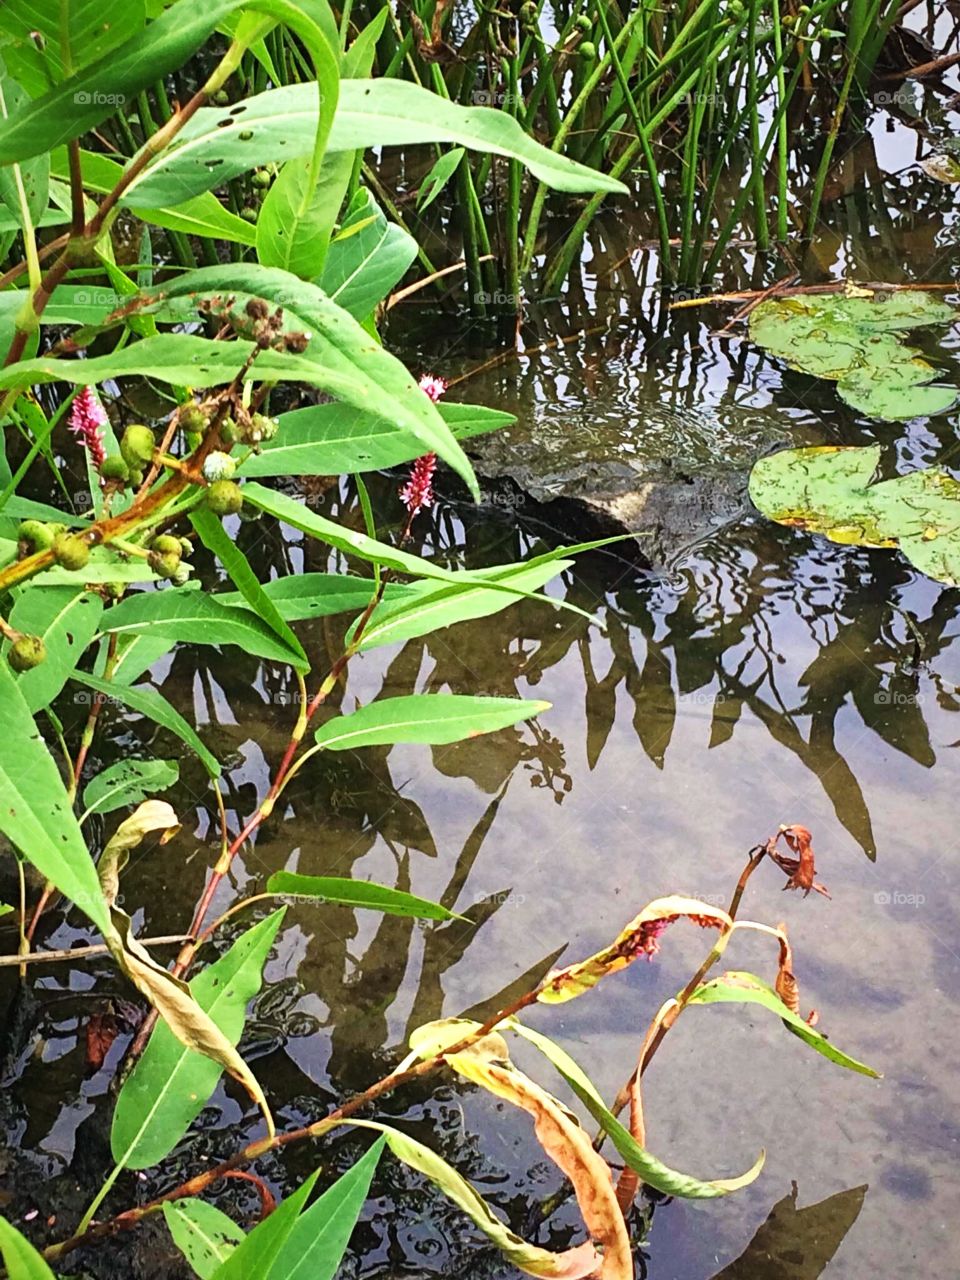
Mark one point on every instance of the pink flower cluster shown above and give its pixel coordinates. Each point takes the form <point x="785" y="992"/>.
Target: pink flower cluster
<point x="417" y="493"/>
<point x="87" y="418"/>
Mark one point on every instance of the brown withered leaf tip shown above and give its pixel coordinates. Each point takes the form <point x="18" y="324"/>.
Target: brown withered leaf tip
<point x="786" y="985"/>
<point x="802" y="869"/>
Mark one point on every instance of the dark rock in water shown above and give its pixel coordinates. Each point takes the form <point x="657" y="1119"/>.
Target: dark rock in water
<point x="675" y="476"/>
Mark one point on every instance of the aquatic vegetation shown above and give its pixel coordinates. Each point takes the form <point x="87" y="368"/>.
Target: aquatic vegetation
<point x="852" y="338"/>
<point x="829" y="489"/>
<point x="277" y="261"/>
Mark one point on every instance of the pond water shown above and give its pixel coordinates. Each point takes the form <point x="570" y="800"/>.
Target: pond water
<point x="744" y="675"/>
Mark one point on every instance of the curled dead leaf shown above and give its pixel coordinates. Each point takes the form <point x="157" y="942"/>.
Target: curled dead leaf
<point x="802" y="869"/>
<point x="786" y="985"/>
<point x="152" y="815"/>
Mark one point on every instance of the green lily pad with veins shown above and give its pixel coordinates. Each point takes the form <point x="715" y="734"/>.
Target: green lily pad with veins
<point x="854" y="340"/>
<point x="828" y="490"/>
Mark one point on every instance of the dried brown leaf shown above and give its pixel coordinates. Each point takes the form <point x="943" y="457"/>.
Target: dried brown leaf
<point x="568" y="1146"/>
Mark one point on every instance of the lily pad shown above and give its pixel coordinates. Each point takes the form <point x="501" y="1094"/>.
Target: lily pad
<point x="853" y="339"/>
<point x="827" y="490"/>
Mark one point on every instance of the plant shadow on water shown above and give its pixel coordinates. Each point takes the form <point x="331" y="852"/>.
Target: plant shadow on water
<point x="746" y="675"/>
<point x="822" y="682"/>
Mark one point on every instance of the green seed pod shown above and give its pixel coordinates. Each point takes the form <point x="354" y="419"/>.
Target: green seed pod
<point x="164" y="563"/>
<point x="166" y="544"/>
<point x="224" y="497"/>
<point x="186" y="547"/>
<point x="228" y="431"/>
<point x="221" y="98"/>
<point x="192" y="418"/>
<point x="219" y="466"/>
<point x="113" y="467"/>
<point x="136" y="476"/>
<point x="137" y="445"/>
<point x="587" y="50"/>
<point x="249" y="214"/>
<point x="36" y="535"/>
<point x="26" y="653"/>
<point x="71" y="550"/>
<point x="584" y="23"/>
<point x="114" y="590"/>
<point x="261" y="178"/>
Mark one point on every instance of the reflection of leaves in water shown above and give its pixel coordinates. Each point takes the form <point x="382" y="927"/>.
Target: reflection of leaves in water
<point x="797" y="1244"/>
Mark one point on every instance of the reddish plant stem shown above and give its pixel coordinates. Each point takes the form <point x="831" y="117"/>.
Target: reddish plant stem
<point x="196" y="1185"/>
<point x="263" y="811"/>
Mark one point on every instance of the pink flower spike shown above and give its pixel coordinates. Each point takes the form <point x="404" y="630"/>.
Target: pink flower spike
<point x="87" y="416"/>
<point x="417" y="493"/>
<point x="434" y="387"/>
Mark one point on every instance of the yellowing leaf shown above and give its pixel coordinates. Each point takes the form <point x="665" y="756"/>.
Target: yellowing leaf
<point x="174" y="1003"/>
<point x="152" y="815"/>
<point x="578" y="1263"/>
<point x="639" y="938"/>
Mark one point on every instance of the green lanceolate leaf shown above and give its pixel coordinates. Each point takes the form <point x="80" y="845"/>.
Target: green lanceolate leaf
<point x="204" y="1235"/>
<point x="66" y="620"/>
<point x="319" y="595"/>
<point x="366" y="258"/>
<point x="653" y="1171"/>
<point x="216" y="539"/>
<point x="204" y="215"/>
<point x="80" y="102"/>
<point x="20" y="1258"/>
<point x="428" y="607"/>
<point x="318" y="1239"/>
<point x="827" y="490"/>
<point x="45" y="43"/>
<point x="333" y="439"/>
<point x="35" y="811"/>
<point x="221" y="143"/>
<point x="128" y="782"/>
<point x="255" y="1255"/>
<point x="746" y="988"/>
<point x="296" y="220"/>
<point x="183" y="359"/>
<point x="196" y="618"/>
<point x="343" y="892"/>
<point x="170" y="1084"/>
<point x="352" y="542"/>
<point x="154" y="705"/>
<point x="429" y="718"/>
<point x="24" y="185"/>
<point x="368" y="376"/>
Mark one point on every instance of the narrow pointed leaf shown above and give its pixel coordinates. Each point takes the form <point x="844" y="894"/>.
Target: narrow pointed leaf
<point x="216" y="539"/>
<point x="154" y="705"/>
<point x="171" y="1083"/>
<point x="128" y="782"/>
<point x="746" y="988"/>
<point x="431" y="718"/>
<point x="204" y="1235"/>
<point x="344" y="892"/>
<point x="318" y="1239"/>
<point x="35" y="811"/>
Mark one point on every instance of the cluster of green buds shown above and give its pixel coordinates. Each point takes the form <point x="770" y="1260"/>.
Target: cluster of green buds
<point x="165" y="558"/>
<point x="136" y="453"/>
<point x="70" y="550"/>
